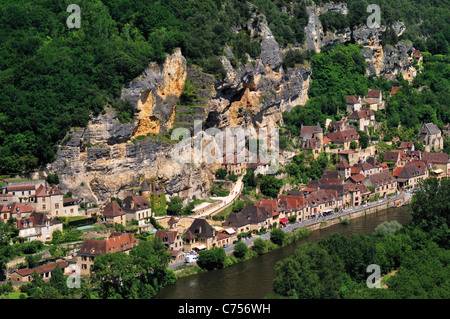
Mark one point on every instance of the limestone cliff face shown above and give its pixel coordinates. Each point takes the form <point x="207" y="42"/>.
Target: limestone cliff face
<point x="102" y="160"/>
<point x="156" y="92"/>
<point x="113" y="164"/>
<point x="380" y="59"/>
<point x="106" y="159"/>
<point x="256" y="94"/>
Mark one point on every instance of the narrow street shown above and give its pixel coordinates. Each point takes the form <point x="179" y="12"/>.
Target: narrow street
<point x="234" y="194"/>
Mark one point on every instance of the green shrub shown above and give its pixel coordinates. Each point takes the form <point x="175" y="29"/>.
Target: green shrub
<point x="214" y="258"/>
<point x="240" y="250"/>
<point x="259" y="246"/>
<point x="278" y="236"/>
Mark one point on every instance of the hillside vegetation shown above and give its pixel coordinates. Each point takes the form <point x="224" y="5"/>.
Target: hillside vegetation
<point x="53" y="78"/>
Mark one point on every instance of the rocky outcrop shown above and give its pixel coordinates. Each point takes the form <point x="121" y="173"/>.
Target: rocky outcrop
<point x="99" y="171"/>
<point x="380" y="59"/>
<point x="107" y="158"/>
<point x="386" y="59"/>
<point x="256" y="94"/>
<point x="155" y="93"/>
<point x="314" y="30"/>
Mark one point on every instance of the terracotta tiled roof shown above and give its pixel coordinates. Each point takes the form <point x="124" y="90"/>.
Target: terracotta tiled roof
<point x="166" y="235"/>
<point x="112" y="209"/>
<point x="381" y="179"/>
<point x="396" y="172"/>
<point x="343" y="164"/>
<point x="362" y="114"/>
<point x="21" y="188"/>
<point x="116" y="241"/>
<point x="22" y="208"/>
<point x="364" y="166"/>
<point x="40" y="218"/>
<point x="42" y="269"/>
<point x="374" y="94"/>
<point x="404" y="145"/>
<point x="135" y="203"/>
<point x="41" y="191"/>
<point x="272" y="205"/>
<point x="420" y="164"/>
<point x="54" y="191"/>
<point x="319" y="197"/>
<point x="307" y="131"/>
<point x="394" y="156"/>
<point x="335" y="126"/>
<point x="356" y="188"/>
<point x="441" y="158"/>
<point x="357" y="178"/>
<point x="352" y="99"/>
<point x="25" y="223"/>
<point x="344" y="136"/>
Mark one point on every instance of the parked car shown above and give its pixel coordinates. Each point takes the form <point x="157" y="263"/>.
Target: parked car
<point x="191" y="259"/>
<point x="226" y="245"/>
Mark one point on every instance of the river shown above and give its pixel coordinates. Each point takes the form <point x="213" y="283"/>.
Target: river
<point x="253" y="279"/>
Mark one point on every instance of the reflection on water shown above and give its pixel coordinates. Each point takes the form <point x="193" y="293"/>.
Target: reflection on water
<point x="253" y="279"/>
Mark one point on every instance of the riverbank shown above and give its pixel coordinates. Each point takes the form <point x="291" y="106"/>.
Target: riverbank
<point x="298" y="231"/>
<point x="254" y="278"/>
<point x="185" y="270"/>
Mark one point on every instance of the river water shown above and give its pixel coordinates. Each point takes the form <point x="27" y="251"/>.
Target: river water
<point x="253" y="279"/>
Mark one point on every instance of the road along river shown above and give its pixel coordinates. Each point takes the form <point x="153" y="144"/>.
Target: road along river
<point x="253" y="279"/>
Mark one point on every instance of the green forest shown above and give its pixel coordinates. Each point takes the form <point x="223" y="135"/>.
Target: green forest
<point x="53" y="77"/>
<point x="413" y="259"/>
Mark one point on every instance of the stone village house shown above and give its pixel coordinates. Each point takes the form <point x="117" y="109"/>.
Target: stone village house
<point x="200" y="235"/>
<point x="138" y="208"/>
<point x="114" y="214"/>
<point x="431" y="138"/>
<point x="45" y="271"/>
<point x="383" y="183"/>
<point x="92" y="248"/>
<point x="38" y="227"/>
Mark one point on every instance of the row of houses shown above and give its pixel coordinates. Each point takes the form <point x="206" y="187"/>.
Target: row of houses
<point x="49" y="200"/>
